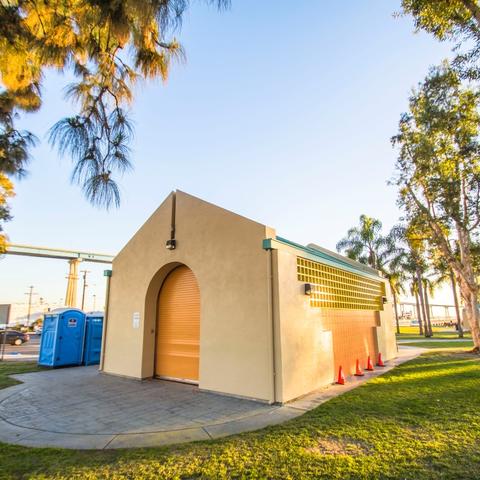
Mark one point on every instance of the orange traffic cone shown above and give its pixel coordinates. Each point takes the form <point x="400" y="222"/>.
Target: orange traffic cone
<point x="380" y="361"/>
<point x="358" y="370"/>
<point x="341" y="376"/>
<point x="369" y="364"/>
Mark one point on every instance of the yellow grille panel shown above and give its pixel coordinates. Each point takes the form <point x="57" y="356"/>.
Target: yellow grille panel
<point x="336" y="288"/>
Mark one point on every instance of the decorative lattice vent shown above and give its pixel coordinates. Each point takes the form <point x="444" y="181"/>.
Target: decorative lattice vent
<point x="336" y="288"/>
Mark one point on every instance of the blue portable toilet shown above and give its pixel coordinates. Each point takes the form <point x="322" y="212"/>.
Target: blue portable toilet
<point x="93" y="338"/>
<point x="62" y="338"/>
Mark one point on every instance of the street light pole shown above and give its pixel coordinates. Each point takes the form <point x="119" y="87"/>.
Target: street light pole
<point x="4" y="339"/>
<point x="30" y="294"/>
<point x="84" y="286"/>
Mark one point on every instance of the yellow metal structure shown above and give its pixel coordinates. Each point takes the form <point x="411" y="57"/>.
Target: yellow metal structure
<point x="74" y="258"/>
<point x="72" y="282"/>
<point x="45" y="252"/>
<point x="178" y="327"/>
<point x="336" y="288"/>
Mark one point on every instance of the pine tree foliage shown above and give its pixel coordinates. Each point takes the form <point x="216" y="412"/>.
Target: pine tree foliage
<point x="6" y="192"/>
<point x="108" y="46"/>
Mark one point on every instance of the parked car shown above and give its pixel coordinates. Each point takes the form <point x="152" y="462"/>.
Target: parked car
<point x="14" y="337"/>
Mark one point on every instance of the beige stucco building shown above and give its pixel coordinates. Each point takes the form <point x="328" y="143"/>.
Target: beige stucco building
<point x="201" y="294"/>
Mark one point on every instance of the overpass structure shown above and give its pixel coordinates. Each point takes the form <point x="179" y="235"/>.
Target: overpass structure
<point x="73" y="257"/>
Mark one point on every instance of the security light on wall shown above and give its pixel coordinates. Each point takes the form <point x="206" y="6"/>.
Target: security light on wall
<point x="171" y="244"/>
<point x="308" y="289"/>
<point x="384" y="299"/>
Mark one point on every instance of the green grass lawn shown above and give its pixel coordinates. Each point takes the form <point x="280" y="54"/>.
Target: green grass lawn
<point x="407" y="333"/>
<point x="419" y="421"/>
<point x="12" y="368"/>
<point x="435" y="337"/>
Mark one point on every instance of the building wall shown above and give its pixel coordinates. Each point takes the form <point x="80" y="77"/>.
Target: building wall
<point x="387" y="342"/>
<point x="304" y="360"/>
<point x="224" y="250"/>
<point x="314" y="342"/>
<point x="248" y="296"/>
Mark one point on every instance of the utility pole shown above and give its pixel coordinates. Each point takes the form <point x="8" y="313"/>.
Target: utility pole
<point x="4" y="338"/>
<point x="30" y="294"/>
<point x="84" y="286"/>
<point x="94" y="302"/>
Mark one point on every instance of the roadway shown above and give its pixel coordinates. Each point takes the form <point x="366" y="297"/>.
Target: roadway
<point x="26" y="352"/>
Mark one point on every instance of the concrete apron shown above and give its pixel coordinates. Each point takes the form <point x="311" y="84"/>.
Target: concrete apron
<point x="79" y="408"/>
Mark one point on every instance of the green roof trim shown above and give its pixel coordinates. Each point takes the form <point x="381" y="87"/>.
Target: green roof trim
<point x="320" y="256"/>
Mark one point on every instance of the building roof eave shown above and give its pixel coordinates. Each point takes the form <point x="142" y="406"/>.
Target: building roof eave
<point x="321" y="255"/>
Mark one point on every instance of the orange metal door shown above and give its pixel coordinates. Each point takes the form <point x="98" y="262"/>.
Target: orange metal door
<point x="177" y="349"/>
<point x="353" y="333"/>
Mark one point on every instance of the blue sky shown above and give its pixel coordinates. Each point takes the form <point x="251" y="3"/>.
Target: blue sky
<point x="282" y="114"/>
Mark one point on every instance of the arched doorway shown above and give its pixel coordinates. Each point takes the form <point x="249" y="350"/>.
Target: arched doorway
<point x="177" y="344"/>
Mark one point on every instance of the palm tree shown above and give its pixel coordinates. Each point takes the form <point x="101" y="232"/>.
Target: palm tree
<point x="398" y="256"/>
<point x="365" y="243"/>
<point x="444" y="274"/>
<point x="421" y="320"/>
<point x="396" y="279"/>
<point x="404" y="262"/>
<point x="428" y="289"/>
<point x="411" y="258"/>
<point x="407" y="257"/>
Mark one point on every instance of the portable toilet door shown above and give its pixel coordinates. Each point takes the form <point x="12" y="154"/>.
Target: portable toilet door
<point x="72" y="335"/>
<point x="93" y="339"/>
<point x="62" y="338"/>
<point x="48" y="340"/>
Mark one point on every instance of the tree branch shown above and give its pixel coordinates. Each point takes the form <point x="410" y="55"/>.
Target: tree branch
<point x="473" y="8"/>
<point x="441" y="240"/>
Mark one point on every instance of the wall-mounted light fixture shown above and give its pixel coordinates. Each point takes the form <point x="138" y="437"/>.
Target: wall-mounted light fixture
<point x="308" y="289"/>
<point x="171" y="244"/>
<point x="384" y="299"/>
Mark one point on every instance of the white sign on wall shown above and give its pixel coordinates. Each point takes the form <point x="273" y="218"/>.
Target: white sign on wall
<point x="136" y="320"/>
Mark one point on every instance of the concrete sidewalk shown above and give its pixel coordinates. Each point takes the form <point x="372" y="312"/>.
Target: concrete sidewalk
<point x="19" y="357"/>
<point x="80" y="408"/>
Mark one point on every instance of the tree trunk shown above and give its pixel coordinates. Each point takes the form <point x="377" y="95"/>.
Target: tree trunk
<point x="427" y="309"/>
<point x="468" y="286"/>
<point x="419" y="316"/>
<point x="422" y="305"/>
<point x="475" y="324"/>
<point x="463" y="266"/>
<point x="473" y="318"/>
<point x="396" y="310"/>
<point x="457" y="307"/>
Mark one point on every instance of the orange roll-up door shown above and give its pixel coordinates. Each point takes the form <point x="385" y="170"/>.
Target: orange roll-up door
<point x="178" y="326"/>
